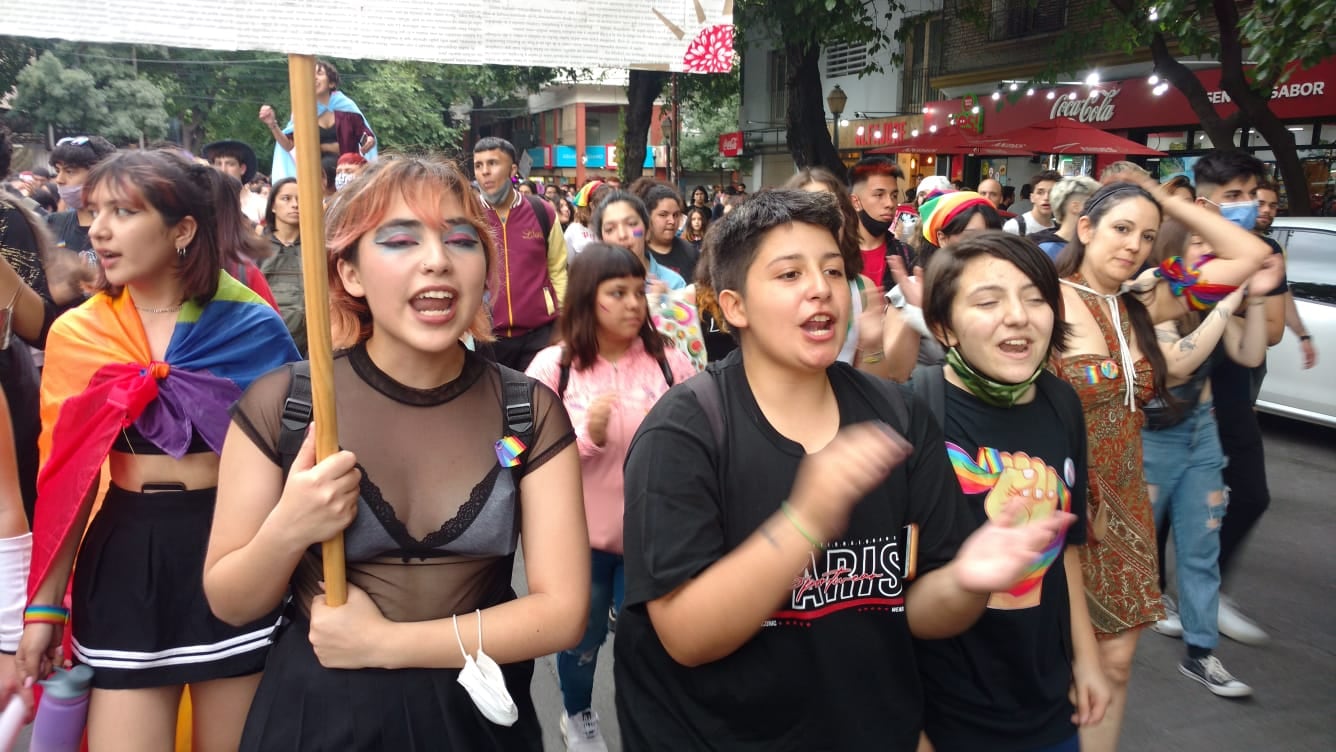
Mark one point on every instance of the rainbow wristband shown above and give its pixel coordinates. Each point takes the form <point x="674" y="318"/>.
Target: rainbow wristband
<point x="46" y="615"/>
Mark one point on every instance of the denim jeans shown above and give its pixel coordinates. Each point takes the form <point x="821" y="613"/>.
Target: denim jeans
<point x="575" y="667"/>
<point x="1183" y="465"/>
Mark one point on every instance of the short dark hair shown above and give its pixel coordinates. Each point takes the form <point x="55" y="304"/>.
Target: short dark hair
<point x="81" y="151"/>
<point x="1268" y="185"/>
<point x="616" y="197"/>
<point x="331" y="73"/>
<point x="875" y="165"/>
<point x="657" y="194"/>
<point x="176" y="189"/>
<point x="578" y="325"/>
<point x="329" y="164"/>
<point x="1047" y="176"/>
<point x="734" y="240"/>
<point x="493" y="143"/>
<point x="1219" y="168"/>
<point x="942" y="280"/>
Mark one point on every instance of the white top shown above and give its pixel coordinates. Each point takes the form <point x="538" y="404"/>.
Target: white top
<point x="1032" y="225"/>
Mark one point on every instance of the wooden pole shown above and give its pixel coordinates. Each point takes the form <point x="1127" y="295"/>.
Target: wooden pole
<point x="315" y="277"/>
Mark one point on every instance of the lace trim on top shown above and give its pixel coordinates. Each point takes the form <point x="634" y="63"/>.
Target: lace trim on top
<point x="474" y="367"/>
<point x="435" y="541"/>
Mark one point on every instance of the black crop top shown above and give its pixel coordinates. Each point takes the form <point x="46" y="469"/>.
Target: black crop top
<point x="131" y="441"/>
<point x="328" y="135"/>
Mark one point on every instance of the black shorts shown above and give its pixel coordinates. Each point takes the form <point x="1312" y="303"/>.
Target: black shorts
<point x="139" y="617"/>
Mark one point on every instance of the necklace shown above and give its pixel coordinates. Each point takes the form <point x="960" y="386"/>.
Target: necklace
<point x="168" y="309"/>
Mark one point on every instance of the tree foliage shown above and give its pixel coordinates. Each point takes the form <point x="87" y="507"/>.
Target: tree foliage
<point x="701" y="128"/>
<point x="802" y="37"/>
<point x="1257" y="44"/>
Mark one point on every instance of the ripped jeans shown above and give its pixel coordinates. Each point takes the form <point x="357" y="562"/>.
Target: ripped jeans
<point x="575" y="667"/>
<point x="1183" y="465"/>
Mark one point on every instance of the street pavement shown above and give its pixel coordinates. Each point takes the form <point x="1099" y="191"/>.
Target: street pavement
<point x="1286" y="580"/>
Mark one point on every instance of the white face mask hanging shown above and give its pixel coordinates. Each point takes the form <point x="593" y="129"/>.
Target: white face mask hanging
<point x="483" y="680"/>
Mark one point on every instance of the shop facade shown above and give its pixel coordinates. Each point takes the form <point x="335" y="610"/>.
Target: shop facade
<point x="1149" y="112"/>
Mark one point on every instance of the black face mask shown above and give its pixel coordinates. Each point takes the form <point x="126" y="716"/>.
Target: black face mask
<point x="876" y="228"/>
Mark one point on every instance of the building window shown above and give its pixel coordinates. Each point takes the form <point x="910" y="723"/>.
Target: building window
<point x="845" y="60"/>
<point x="923" y="45"/>
<point x="1013" y="19"/>
<point x="779" y="85"/>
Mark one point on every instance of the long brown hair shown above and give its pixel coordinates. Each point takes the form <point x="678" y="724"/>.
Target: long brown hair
<point x="1069" y="263"/>
<point x="849" y="240"/>
<point x="578" y="325"/>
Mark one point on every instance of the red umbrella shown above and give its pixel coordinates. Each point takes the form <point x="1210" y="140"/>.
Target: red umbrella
<point x="949" y="140"/>
<point x="1067" y="136"/>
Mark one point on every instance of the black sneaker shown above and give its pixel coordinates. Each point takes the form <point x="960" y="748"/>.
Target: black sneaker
<point x="1211" y="672"/>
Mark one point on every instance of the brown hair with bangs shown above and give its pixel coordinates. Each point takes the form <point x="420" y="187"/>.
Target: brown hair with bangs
<point x="578" y="326"/>
<point x="176" y="189"/>
<point x="424" y="184"/>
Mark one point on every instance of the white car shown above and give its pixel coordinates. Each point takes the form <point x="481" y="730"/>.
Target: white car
<point x="1310" y="266"/>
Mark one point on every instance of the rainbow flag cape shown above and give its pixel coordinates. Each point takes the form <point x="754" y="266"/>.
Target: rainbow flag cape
<point x="283" y="165"/>
<point x="1186" y="282"/>
<point x="99" y="378"/>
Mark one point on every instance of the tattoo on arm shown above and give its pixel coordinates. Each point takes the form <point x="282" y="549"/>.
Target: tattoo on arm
<point x="1164" y="335"/>
<point x="1188" y="343"/>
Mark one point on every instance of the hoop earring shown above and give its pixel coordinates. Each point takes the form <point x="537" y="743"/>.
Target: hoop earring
<point x="181" y="252"/>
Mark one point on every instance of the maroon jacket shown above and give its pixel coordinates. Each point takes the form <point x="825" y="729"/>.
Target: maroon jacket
<point x="529" y="277"/>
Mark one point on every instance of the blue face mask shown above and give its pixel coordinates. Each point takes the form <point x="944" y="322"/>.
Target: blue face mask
<point x="1241" y="213"/>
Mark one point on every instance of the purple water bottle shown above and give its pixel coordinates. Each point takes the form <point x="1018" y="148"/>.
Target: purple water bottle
<point x="63" y="711"/>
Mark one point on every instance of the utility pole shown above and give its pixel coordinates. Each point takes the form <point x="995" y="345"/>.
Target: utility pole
<point x="675" y="139"/>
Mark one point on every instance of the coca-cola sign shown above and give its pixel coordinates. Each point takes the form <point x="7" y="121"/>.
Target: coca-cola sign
<point x="730" y="144"/>
<point x="1096" y="109"/>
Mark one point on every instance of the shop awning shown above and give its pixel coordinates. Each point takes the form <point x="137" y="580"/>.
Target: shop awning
<point x="950" y="140"/>
<point x="1067" y="136"/>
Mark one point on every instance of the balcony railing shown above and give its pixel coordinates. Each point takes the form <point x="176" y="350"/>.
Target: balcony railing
<point x="1016" y="19"/>
<point x="916" y="87"/>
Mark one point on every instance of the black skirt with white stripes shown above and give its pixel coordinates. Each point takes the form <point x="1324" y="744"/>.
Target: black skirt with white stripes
<point x="139" y="616"/>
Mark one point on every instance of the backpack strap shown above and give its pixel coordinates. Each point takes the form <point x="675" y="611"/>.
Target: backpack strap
<point x="540" y="207"/>
<point x="565" y="378"/>
<point x="706" y="388"/>
<point x="928" y="382"/>
<point x="297" y="413"/>
<point x="1020" y="224"/>
<point x="517" y="390"/>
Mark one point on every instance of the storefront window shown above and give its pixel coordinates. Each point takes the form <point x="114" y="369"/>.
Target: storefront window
<point x="1168" y="141"/>
<point x="1327" y="136"/>
<point x="1303" y="136"/>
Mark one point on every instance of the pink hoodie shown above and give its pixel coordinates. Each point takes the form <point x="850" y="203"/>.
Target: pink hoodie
<point x="639" y="382"/>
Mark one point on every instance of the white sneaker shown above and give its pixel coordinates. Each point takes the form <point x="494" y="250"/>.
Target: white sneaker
<point x="1170" y="625"/>
<point x="581" y="732"/>
<point x="1238" y="627"/>
<point x="1211" y="673"/>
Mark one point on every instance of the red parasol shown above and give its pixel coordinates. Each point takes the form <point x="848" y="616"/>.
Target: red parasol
<point x="1067" y="136"/>
<point x="950" y="140"/>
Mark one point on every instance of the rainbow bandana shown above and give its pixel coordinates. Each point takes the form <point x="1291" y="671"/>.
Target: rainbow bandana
<point x="100" y="378"/>
<point x="1186" y="282"/>
<point x="938" y="212"/>
<point x="582" y="197"/>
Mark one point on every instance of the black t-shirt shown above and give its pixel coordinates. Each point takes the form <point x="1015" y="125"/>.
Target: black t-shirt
<point x="69" y="233"/>
<point x="1002" y="685"/>
<point x="1234" y="387"/>
<point x="681" y="259"/>
<point x="833" y="668"/>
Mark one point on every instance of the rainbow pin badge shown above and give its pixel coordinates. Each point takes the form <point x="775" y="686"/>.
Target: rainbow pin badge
<point x="508" y="451"/>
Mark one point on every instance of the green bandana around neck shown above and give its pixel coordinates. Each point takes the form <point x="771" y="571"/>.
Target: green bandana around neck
<point x="992" y="392"/>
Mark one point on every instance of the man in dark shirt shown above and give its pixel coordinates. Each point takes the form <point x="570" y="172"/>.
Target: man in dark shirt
<point x="783" y="542"/>
<point x="1228" y="182"/>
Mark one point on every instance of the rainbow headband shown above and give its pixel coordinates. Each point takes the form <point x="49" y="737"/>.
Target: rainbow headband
<point x="938" y="212"/>
<point x="582" y="197"/>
